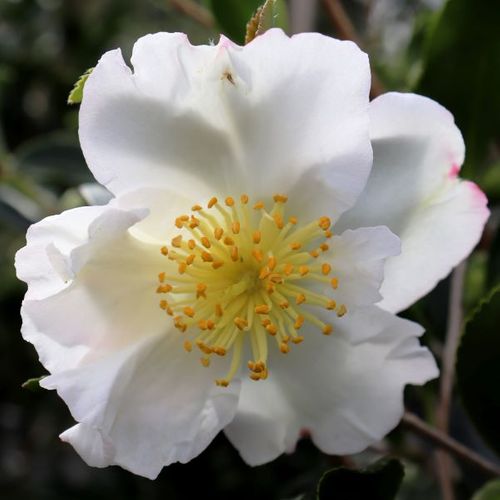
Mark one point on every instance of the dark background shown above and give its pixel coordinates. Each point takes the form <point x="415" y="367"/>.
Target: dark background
<point x="447" y="50"/>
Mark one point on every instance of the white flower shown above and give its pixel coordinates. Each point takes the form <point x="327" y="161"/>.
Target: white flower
<point x="199" y="146"/>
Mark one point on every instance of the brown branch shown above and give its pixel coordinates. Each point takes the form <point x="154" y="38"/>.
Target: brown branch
<point x="455" y="316"/>
<point x="446" y="442"/>
<point x="195" y="11"/>
<point x="346" y="31"/>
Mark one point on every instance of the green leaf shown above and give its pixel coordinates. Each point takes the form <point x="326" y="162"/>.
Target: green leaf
<point x="76" y="94"/>
<point x="478" y="368"/>
<point x="491" y="491"/>
<point x="261" y="21"/>
<point x="461" y="71"/>
<point x="33" y="384"/>
<point x="380" y="481"/>
<point x="233" y="15"/>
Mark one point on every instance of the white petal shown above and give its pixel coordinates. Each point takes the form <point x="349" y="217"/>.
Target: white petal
<point x="101" y="289"/>
<point x="268" y="117"/>
<point x="346" y="390"/>
<point x="357" y="261"/>
<point x="95" y="194"/>
<point x="145" y="406"/>
<point x="414" y="190"/>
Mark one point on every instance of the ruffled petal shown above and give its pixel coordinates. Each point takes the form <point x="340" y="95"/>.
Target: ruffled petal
<point x="345" y="390"/>
<point x="357" y="261"/>
<point x="144" y="407"/>
<point x="216" y="120"/>
<point x="415" y="191"/>
<point x="95" y="288"/>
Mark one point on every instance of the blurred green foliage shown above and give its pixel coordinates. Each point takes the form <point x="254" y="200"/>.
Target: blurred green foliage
<point x="451" y="54"/>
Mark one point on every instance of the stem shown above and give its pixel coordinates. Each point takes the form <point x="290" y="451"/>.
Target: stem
<point x="455" y="316"/>
<point x="444" y="441"/>
<point x="194" y="11"/>
<point x="346" y="31"/>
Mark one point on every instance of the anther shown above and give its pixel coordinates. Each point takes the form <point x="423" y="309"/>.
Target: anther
<point x="324" y="247"/>
<point x="262" y="309"/>
<point x="235" y="227"/>
<point x="201" y="288"/>
<point x="335" y="283"/>
<point x="191" y="244"/>
<point x="205" y="242"/>
<point x="241" y="323"/>
<point x="299" y="321"/>
<point x="324" y="223"/>
<point x="206" y="257"/>
<point x="258" y="205"/>
<point x="177" y="241"/>
<point x="327" y="329"/>
<point x="228" y="241"/>
<point x="280" y="198"/>
<point x="244" y="199"/>
<point x="161" y="277"/>
<point x="218" y="310"/>
<point x="218" y="232"/>
<point x="331" y="305"/>
<point x="188" y="346"/>
<point x="182" y="267"/>
<point x="284" y="348"/>
<point x="272" y="329"/>
<point x="303" y="270"/>
<point x="288" y="269"/>
<point x="326" y="268"/>
<point x="205" y="362"/>
<point x="188" y="311"/>
<point x="258" y="255"/>
<point x="342" y="310"/>
<point x="292" y="220"/>
<point x="196" y="208"/>
<point x="295" y="246"/>
<point x="164" y="251"/>
<point x="212" y="202"/>
<point x="164" y="288"/>
<point x="256" y="237"/>
<point x="234" y="254"/>
<point x="298" y="339"/>
<point x="190" y="259"/>
<point x="229" y="201"/>
<point x="300" y="299"/>
<point x="278" y="220"/>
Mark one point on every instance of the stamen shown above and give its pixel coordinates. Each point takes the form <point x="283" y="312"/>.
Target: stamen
<point x="236" y="276"/>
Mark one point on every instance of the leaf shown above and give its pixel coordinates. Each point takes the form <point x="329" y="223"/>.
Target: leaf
<point x="459" y="73"/>
<point x="491" y="491"/>
<point x="76" y="94"/>
<point x="478" y="368"/>
<point x="232" y="16"/>
<point x="33" y="384"/>
<point x="261" y="21"/>
<point x="379" y="481"/>
<point x="54" y="160"/>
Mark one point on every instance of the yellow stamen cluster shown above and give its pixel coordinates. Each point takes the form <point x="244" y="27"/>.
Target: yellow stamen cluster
<point x="243" y="273"/>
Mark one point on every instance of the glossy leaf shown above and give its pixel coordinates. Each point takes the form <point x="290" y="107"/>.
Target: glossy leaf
<point x="461" y="71"/>
<point x="478" y="368"/>
<point x="33" y="384"/>
<point x="491" y="491"/>
<point x="379" y="481"/>
<point x="76" y="94"/>
<point x="233" y="15"/>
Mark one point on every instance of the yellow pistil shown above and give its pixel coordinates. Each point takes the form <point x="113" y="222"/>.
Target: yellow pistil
<point x="237" y="276"/>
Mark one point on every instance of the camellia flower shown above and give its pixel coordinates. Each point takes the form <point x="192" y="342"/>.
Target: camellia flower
<point x="236" y="279"/>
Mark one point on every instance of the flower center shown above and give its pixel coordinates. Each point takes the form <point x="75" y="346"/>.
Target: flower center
<point x="241" y="274"/>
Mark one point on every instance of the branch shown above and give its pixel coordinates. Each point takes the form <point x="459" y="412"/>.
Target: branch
<point x="455" y="316"/>
<point x="346" y="31"/>
<point x="445" y="442"/>
<point x="195" y="11"/>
